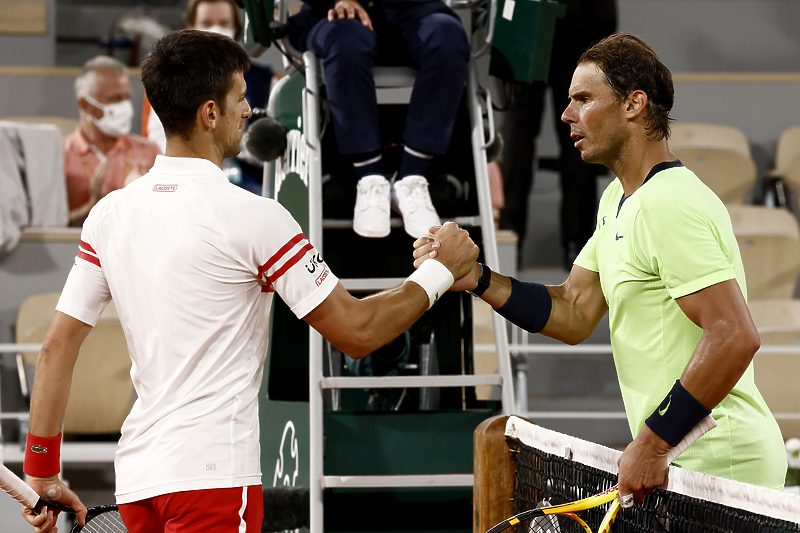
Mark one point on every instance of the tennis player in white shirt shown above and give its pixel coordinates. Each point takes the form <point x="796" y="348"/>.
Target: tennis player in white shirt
<point x="192" y="263"/>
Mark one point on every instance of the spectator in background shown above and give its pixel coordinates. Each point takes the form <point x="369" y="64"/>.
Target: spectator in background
<point x="102" y="154"/>
<point x="585" y="22"/>
<point x="222" y="17"/>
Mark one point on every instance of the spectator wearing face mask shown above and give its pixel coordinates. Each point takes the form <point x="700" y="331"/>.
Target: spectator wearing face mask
<point x="217" y="16"/>
<point x="102" y="155"/>
<point x="222" y="17"/>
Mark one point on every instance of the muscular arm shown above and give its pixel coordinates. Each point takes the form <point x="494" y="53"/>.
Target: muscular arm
<point x="53" y="376"/>
<point x="359" y="326"/>
<point x="729" y="342"/>
<point x="51" y="387"/>
<point x="578" y="303"/>
<point x="578" y="306"/>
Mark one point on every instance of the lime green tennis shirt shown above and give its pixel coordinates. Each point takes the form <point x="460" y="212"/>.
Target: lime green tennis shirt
<point x="670" y="238"/>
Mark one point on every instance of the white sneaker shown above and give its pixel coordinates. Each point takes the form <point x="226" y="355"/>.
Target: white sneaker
<point x="371" y="215"/>
<point x="410" y="197"/>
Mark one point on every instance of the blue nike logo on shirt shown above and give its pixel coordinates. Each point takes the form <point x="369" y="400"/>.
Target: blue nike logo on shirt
<point x="619" y="236"/>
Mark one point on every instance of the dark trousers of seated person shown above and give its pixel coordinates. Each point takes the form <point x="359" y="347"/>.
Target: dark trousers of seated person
<point x="434" y="43"/>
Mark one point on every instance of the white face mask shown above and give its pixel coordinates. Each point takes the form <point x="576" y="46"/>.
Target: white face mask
<point x="117" y="118"/>
<point x="228" y="32"/>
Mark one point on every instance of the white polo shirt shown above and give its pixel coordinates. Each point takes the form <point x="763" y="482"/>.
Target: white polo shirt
<point x="192" y="263"/>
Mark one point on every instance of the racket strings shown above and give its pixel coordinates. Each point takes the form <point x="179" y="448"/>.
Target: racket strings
<point x="565" y="522"/>
<point x="108" y="521"/>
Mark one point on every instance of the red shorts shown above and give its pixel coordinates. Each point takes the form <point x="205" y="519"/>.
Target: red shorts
<point x="235" y="510"/>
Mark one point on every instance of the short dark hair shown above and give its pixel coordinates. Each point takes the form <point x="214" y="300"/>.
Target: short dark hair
<point x="190" y="15"/>
<point x="629" y="64"/>
<point x="186" y="68"/>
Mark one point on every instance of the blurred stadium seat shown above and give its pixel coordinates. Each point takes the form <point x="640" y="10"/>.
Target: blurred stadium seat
<point x="102" y="392"/>
<point x="769" y="241"/>
<point x="778" y="323"/>
<point x="719" y="155"/>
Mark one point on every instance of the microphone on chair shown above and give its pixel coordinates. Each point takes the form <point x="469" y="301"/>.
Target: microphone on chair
<point x="266" y="137"/>
<point x="285" y="508"/>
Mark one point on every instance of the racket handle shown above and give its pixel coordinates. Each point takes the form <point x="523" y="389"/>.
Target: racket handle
<point x="705" y="425"/>
<point x="24" y="494"/>
<point x="17" y="489"/>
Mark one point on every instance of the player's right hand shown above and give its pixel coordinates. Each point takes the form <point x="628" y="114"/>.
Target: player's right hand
<point x="53" y="489"/>
<point x="643" y="465"/>
<point x="452" y="247"/>
<point x="350" y="9"/>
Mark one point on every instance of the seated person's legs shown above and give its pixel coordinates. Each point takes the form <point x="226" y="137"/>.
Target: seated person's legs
<point x="348" y="51"/>
<point x="438" y="44"/>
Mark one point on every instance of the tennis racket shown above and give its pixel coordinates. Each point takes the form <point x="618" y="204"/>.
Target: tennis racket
<point x="562" y="518"/>
<point x="102" y="519"/>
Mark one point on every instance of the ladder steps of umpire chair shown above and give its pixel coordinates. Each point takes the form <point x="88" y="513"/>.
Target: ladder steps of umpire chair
<point x="394" y="382"/>
<point x="435" y="480"/>
<point x="343" y="223"/>
<point x="423" y="472"/>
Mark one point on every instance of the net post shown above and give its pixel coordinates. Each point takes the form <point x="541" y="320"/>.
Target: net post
<point x="493" y="471"/>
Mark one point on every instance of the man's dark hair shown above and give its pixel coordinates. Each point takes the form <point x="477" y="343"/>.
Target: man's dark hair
<point x="629" y="64"/>
<point x="185" y="69"/>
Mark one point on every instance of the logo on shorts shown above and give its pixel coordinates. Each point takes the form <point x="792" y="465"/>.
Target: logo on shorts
<point x="38" y="448"/>
<point x="165" y="188"/>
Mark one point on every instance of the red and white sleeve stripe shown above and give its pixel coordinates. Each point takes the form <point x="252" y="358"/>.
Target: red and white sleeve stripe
<point x="87" y="253"/>
<point x="284" y="259"/>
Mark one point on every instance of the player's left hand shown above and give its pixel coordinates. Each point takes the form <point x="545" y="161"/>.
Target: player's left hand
<point x="426" y="247"/>
<point x="53" y="489"/>
<point x="643" y="465"/>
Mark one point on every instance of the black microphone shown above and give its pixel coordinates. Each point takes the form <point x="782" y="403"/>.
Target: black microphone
<point x="266" y="139"/>
<point x="285" y="508"/>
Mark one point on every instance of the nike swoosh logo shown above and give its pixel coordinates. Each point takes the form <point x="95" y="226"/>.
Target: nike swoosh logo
<point x="664" y="410"/>
<point x="604" y="221"/>
<point x="619" y="236"/>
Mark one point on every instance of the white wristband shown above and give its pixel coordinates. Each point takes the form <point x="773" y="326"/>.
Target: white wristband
<point x="434" y="278"/>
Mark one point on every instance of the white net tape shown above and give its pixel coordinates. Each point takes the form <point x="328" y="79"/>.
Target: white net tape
<point x="744" y="496"/>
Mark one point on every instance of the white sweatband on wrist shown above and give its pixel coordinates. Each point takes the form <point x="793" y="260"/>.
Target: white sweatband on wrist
<point x="434" y="278"/>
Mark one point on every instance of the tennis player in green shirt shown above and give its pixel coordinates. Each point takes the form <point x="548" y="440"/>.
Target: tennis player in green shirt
<point x="664" y="263"/>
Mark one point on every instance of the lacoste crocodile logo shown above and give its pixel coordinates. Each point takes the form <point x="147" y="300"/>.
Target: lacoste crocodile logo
<point x="38" y="448"/>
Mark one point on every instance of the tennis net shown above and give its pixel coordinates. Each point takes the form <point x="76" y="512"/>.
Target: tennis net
<point x="554" y="468"/>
